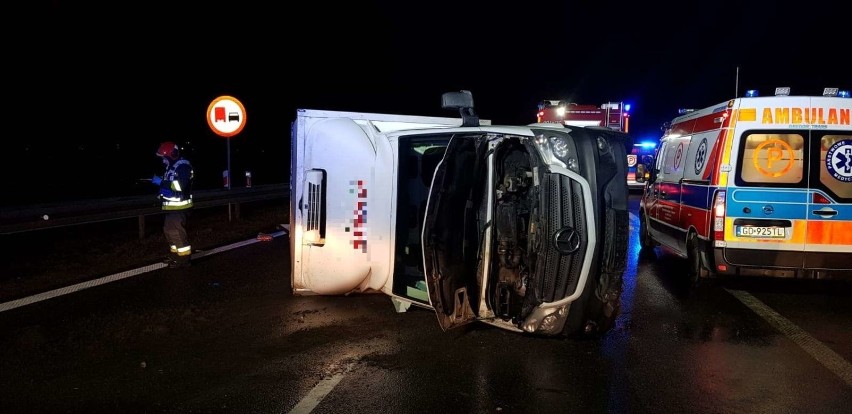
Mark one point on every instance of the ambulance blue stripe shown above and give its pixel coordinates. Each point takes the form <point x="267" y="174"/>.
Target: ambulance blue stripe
<point x="779" y="210"/>
<point x="771" y="196"/>
<point x="697" y="195"/>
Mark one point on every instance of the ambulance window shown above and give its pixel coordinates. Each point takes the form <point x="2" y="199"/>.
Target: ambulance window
<point x="661" y="155"/>
<point x="835" y="160"/>
<point x="771" y="158"/>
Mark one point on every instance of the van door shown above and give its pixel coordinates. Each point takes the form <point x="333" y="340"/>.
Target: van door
<point x="829" y="230"/>
<point x="651" y="196"/>
<point x="668" y="194"/>
<point x="696" y="193"/>
<point x="767" y="210"/>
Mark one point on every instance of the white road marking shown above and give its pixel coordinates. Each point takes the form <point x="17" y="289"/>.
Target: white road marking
<point x="828" y="358"/>
<point x="315" y="396"/>
<point x="117" y="276"/>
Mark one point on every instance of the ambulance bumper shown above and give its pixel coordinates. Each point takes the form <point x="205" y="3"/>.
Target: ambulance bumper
<point x="785" y="264"/>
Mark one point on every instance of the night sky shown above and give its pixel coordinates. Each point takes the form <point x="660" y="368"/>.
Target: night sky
<point x="98" y="87"/>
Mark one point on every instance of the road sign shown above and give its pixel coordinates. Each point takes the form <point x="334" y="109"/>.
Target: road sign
<point x="226" y="116"/>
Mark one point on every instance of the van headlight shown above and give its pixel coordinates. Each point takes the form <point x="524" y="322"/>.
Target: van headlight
<point x="559" y="147"/>
<point x="557" y="150"/>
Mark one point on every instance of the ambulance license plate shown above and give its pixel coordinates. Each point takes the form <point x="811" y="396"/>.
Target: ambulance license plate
<point x="761" y="232"/>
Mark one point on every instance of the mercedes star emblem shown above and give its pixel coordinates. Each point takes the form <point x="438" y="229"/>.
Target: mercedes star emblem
<point x="566" y="240"/>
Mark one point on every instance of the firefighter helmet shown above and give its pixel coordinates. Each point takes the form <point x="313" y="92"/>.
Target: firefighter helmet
<point x="169" y="150"/>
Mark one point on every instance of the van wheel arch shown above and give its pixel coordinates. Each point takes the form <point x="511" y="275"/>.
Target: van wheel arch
<point x="697" y="271"/>
<point x="646" y="242"/>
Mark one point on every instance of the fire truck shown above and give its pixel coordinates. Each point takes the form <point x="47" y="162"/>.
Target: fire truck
<point x="612" y="115"/>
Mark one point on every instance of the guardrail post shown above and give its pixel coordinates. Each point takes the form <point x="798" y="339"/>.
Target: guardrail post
<point x="141" y="227"/>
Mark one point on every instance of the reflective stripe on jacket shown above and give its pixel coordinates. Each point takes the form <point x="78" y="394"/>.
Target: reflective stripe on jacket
<point x="176" y="187"/>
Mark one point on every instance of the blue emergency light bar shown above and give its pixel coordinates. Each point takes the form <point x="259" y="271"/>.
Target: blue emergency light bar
<point x="835" y="92"/>
<point x="647" y="144"/>
<point x="785" y="91"/>
<point x="626" y="107"/>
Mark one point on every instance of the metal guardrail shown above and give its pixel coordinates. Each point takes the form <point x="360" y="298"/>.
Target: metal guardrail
<point x="45" y="216"/>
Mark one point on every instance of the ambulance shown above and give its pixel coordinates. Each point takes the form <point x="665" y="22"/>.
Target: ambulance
<point x="520" y="227"/>
<point x="755" y="186"/>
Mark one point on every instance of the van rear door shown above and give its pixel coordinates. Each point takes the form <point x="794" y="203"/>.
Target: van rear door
<point x="766" y="212"/>
<point x="829" y="230"/>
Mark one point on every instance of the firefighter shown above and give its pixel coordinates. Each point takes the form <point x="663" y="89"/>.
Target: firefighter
<point x="176" y="197"/>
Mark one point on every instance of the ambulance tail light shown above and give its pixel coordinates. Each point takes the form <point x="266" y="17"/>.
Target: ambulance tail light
<point x="820" y="199"/>
<point x="719" y="219"/>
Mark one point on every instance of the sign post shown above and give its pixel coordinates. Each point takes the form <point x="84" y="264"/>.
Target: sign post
<point x="226" y="117"/>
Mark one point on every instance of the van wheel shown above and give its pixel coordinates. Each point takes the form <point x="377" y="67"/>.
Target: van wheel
<point x="646" y="243"/>
<point x="698" y="274"/>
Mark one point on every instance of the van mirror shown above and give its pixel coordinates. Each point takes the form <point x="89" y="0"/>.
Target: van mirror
<point x="463" y="101"/>
<point x="645" y="170"/>
<point x="640" y="173"/>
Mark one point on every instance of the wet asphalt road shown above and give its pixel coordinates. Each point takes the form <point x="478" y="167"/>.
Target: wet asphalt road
<point x="228" y="336"/>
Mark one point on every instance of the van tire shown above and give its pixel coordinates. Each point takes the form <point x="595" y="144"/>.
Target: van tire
<point x="646" y="243"/>
<point x="594" y="313"/>
<point x="698" y="273"/>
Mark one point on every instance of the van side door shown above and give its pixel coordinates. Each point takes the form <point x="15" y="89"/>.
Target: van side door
<point x="669" y="193"/>
<point x="651" y="195"/>
<point x="696" y="194"/>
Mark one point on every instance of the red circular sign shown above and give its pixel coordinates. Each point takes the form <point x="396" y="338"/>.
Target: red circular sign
<point x="226" y="116"/>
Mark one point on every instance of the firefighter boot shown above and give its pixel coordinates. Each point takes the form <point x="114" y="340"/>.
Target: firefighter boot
<point x="181" y="261"/>
<point x="171" y="258"/>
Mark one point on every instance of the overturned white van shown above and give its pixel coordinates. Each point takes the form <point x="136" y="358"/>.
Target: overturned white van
<point x="521" y="227"/>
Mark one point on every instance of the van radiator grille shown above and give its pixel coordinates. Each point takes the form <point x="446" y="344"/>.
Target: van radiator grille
<point x="556" y="273"/>
<point x="314" y="204"/>
<point x="313" y="207"/>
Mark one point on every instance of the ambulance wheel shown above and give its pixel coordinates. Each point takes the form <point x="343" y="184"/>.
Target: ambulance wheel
<point x="646" y="243"/>
<point x="698" y="274"/>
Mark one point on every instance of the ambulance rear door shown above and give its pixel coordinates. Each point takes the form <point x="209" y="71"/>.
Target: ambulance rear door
<point x="766" y="215"/>
<point x="829" y="230"/>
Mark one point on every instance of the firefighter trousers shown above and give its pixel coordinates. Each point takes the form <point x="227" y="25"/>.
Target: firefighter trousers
<point x="174" y="228"/>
